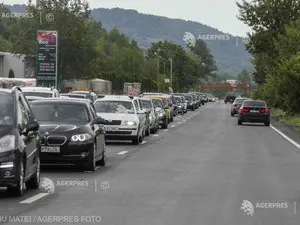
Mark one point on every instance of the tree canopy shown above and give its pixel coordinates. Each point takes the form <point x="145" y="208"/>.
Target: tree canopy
<point x="87" y="50"/>
<point x="275" y="47"/>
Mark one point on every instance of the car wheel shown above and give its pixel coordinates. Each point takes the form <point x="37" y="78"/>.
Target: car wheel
<point x="148" y="131"/>
<point x="232" y="114"/>
<point x="92" y="159"/>
<point x="21" y="186"/>
<point x="34" y="182"/>
<point x="136" y="140"/>
<point x="267" y="124"/>
<point x="193" y="109"/>
<point x="102" y="161"/>
<point x="165" y="125"/>
<point x="240" y="122"/>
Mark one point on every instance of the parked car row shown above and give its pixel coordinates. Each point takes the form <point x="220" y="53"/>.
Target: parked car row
<point x="40" y="126"/>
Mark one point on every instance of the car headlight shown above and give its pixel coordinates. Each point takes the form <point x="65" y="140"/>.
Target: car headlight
<point x="129" y="123"/>
<point x="81" y="137"/>
<point x="7" y="165"/>
<point x="7" y="143"/>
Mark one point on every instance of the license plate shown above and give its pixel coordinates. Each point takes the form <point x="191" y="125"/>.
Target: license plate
<point x="111" y="128"/>
<point x="254" y="111"/>
<point x="50" y="149"/>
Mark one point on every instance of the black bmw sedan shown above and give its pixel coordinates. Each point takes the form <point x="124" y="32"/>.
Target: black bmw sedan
<point x="70" y="132"/>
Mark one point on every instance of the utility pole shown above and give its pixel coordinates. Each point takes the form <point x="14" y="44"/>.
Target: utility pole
<point x="171" y="71"/>
<point x="157" y="80"/>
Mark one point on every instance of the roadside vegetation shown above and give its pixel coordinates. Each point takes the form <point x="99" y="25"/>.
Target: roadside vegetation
<point x="275" y="47"/>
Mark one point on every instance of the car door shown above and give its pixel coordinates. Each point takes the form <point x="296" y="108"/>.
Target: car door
<point x="146" y="115"/>
<point x="142" y="123"/>
<point x="99" y="131"/>
<point x="30" y="140"/>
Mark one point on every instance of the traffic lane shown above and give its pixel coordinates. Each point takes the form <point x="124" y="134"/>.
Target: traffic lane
<point x="146" y="184"/>
<point x="116" y="152"/>
<point x="199" y="172"/>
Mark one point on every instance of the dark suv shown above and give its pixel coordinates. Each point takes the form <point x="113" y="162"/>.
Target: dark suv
<point x="229" y="98"/>
<point x="19" y="143"/>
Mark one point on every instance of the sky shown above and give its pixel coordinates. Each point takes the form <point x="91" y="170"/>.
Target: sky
<point x="220" y="14"/>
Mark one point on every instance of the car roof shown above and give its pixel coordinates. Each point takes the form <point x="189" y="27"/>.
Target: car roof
<point x="37" y="89"/>
<point x="5" y="90"/>
<point x="116" y="98"/>
<point x="63" y="100"/>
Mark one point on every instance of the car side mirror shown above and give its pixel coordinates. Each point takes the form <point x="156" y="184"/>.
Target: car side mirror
<point x="99" y="120"/>
<point x="32" y="127"/>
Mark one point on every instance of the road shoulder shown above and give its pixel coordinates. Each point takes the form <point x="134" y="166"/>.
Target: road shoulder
<point x="286" y="130"/>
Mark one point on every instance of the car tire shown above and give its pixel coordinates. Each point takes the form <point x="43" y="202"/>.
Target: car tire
<point x="232" y="114"/>
<point x="240" y="122"/>
<point x="21" y="186"/>
<point x="136" y="140"/>
<point x="267" y="124"/>
<point x="102" y="161"/>
<point x="148" y="131"/>
<point x="92" y="159"/>
<point x="193" y="109"/>
<point x="165" y="125"/>
<point x="34" y="182"/>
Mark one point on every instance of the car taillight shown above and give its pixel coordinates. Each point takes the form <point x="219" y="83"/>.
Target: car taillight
<point x="244" y="109"/>
<point x="234" y="105"/>
<point x="263" y="110"/>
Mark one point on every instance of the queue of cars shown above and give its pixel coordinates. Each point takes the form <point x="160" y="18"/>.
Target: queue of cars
<point x="39" y="125"/>
<point x="248" y="110"/>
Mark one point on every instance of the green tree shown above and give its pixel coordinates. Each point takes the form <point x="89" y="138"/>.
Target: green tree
<point x="244" y="77"/>
<point x="267" y="18"/>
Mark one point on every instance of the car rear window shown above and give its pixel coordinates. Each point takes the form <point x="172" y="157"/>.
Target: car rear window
<point x="254" y="103"/>
<point x="240" y="100"/>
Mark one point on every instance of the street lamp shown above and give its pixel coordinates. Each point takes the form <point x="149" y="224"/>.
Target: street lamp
<point x="171" y="71"/>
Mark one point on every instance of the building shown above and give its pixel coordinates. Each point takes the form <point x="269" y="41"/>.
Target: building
<point x="23" y="66"/>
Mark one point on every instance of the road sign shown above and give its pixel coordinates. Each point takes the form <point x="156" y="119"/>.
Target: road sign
<point x="167" y="81"/>
<point x="47" y="56"/>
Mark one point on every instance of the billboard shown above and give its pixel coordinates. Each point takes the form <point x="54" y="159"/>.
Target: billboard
<point x="46" y="66"/>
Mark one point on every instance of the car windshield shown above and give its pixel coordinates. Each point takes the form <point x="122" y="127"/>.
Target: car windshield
<point x="38" y="94"/>
<point x="239" y="100"/>
<point x="6" y="109"/>
<point x="189" y="98"/>
<point x="178" y="99"/>
<point x="158" y="103"/>
<point x="114" y="107"/>
<point x="146" y="104"/>
<point x="254" y="104"/>
<point x="60" y="112"/>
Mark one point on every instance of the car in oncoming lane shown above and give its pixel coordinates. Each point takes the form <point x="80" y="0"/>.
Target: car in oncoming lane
<point x="70" y="132"/>
<point x="19" y="143"/>
<point x="236" y="105"/>
<point x="255" y="111"/>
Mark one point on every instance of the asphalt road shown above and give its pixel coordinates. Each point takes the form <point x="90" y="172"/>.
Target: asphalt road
<point x="197" y="172"/>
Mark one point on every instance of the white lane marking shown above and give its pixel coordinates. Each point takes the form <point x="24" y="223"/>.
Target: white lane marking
<point x="166" y="130"/>
<point x="122" y="153"/>
<point x="155" y="135"/>
<point x="34" y="198"/>
<point x="144" y="142"/>
<point x="172" y="125"/>
<point x="286" y="137"/>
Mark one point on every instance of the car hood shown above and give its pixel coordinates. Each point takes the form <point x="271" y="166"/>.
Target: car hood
<point x="57" y="128"/>
<point x="117" y="116"/>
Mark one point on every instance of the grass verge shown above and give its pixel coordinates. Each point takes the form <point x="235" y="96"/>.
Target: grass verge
<point x="284" y="118"/>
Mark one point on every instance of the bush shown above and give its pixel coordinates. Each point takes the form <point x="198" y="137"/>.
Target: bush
<point x="278" y="114"/>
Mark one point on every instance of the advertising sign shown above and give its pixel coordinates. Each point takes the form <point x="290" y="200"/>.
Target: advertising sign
<point x="47" y="43"/>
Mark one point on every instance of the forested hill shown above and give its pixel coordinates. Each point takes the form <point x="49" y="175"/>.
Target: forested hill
<point x="230" y="55"/>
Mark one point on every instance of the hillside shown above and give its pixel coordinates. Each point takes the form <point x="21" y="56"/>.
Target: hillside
<point x="230" y="55"/>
